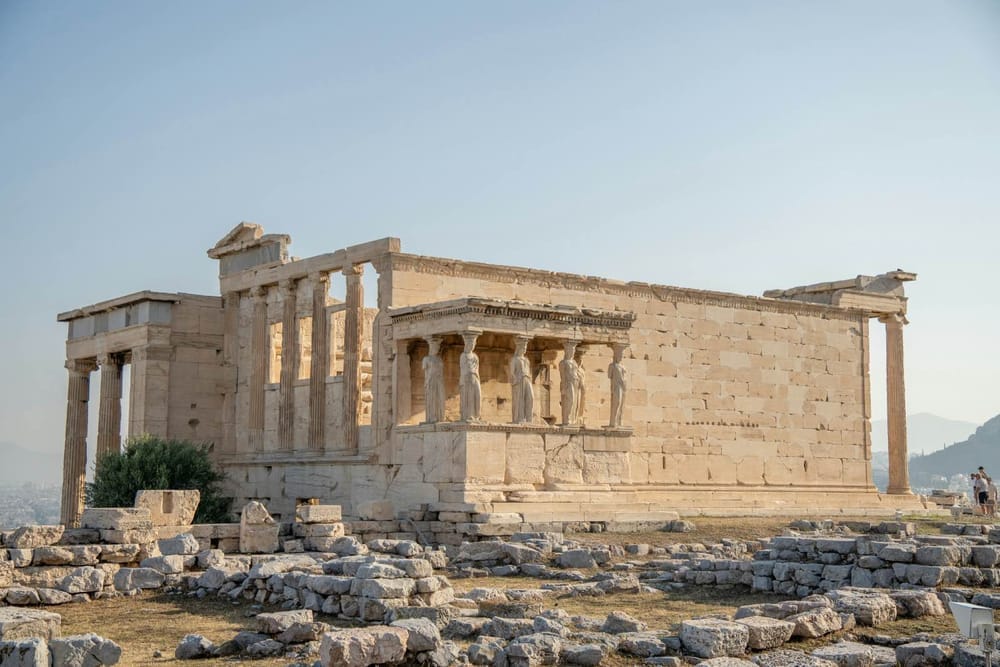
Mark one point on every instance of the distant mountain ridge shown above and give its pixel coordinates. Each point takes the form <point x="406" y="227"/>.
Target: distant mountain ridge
<point x="925" y="433"/>
<point x="22" y="465"/>
<point x="982" y="448"/>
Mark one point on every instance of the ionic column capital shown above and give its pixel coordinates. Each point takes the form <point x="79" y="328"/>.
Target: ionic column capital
<point x="893" y="318"/>
<point x="258" y="293"/>
<point x="319" y="278"/>
<point x="82" y="367"/>
<point x="353" y="271"/>
<point x="287" y="287"/>
<point x="109" y="359"/>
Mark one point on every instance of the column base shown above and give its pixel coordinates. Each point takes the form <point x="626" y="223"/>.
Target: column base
<point x="899" y="492"/>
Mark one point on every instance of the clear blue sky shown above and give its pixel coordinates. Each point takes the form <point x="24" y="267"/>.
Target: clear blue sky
<point x="737" y="146"/>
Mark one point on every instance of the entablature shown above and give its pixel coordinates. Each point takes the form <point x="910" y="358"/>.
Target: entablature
<point x="511" y="317"/>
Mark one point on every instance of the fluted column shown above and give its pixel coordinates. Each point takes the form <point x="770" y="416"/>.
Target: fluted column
<point x="109" y="416"/>
<point x="258" y="368"/>
<point x="899" y="476"/>
<point x="75" y="448"/>
<point x="353" y="323"/>
<point x="289" y="365"/>
<point x="320" y="363"/>
<point x="230" y="351"/>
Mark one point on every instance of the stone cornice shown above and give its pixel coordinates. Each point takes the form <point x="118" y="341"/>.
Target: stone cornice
<point x="510" y="274"/>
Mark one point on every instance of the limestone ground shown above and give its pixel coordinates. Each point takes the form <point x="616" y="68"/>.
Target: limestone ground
<point x="157" y="622"/>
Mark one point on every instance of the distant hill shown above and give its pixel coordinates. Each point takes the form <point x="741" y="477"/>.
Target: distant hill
<point x="24" y="465"/>
<point x="925" y="433"/>
<point x="982" y="448"/>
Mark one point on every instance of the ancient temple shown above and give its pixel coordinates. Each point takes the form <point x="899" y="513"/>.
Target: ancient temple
<point x="496" y="389"/>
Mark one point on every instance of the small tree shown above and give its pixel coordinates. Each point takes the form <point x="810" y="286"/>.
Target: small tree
<point x="150" y="462"/>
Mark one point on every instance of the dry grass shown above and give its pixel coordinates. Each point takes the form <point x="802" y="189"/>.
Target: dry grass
<point x="157" y="622"/>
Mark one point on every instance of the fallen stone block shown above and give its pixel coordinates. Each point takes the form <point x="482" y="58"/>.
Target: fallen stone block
<point x="789" y="658"/>
<point x="279" y="621"/>
<point x="318" y="513"/>
<point x="815" y="622"/>
<point x="135" y="578"/>
<point x="24" y="653"/>
<point x="618" y="622"/>
<point x="29" y="537"/>
<point x="870" y="608"/>
<point x="116" y="518"/>
<point x="362" y="647"/>
<point x="766" y="633"/>
<point x="87" y="650"/>
<point x="184" y="544"/>
<point x="847" y="654"/>
<point x="713" y="638"/>
<point x="423" y="634"/>
<point x="193" y="647"/>
<point x="16" y="623"/>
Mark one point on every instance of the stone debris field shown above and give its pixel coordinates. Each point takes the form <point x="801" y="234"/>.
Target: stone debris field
<point x="330" y="599"/>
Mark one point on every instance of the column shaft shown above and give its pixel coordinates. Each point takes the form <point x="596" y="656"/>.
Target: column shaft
<point x="230" y="348"/>
<point x="258" y="368"/>
<point x="353" y="323"/>
<point x="899" y="477"/>
<point x="289" y="365"/>
<point x="109" y="417"/>
<point x="75" y="448"/>
<point x="320" y="363"/>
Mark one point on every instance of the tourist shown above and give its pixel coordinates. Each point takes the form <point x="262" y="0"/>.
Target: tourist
<point x="980" y="491"/>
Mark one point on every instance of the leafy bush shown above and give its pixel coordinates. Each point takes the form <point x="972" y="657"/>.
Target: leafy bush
<point x="150" y="462"/>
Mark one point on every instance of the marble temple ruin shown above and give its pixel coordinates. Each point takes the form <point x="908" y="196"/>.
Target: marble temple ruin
<point x="495" y="389"/>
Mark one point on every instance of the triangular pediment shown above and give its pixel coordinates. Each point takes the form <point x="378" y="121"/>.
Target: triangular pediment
<point x="241" y="233"/>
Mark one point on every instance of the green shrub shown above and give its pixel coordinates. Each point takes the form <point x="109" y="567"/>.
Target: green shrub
<point x="150" y="462"/>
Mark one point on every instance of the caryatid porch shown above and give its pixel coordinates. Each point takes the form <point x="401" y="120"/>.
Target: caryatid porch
<point x="477" y="362"/>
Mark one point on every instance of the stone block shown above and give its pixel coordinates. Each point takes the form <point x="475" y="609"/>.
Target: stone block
<point x="17" y="623"/>
<point x="169" y="507"/>
<point x="6" y="573"/>
<point x="29" y="537"/>
<point x="318" y="513"/>
<point x="116" y="518"/>
<point x="713" y="638"/>
<point x="258" y="531"/>
<point x="128" y="536"/>
<point x="767" y="633"/>
<point x="361" y="647"/>
<point x="87" y="650"/>
<point x="280" y="621"/>
<point x="376" y="510"/>
<point x="25" y="653"/>
<point x="184" y="545"/>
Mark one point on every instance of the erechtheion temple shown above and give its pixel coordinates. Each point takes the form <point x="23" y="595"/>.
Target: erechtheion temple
<point x="497" y="390"/>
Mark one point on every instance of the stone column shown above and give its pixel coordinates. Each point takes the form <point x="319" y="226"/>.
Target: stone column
<point x="320" y="363"/>
<point x="289" y="365"/>
<point x="899" y="475"/>
<point x="230" y="352"/>
<point x="258" y="368"/>
<point x="75" y="448"/>
<point x="109" y="417"/>
<point x="353" y="323"/>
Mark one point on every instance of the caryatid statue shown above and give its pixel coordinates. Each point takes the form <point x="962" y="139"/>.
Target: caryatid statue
<point x="581" y="386"/>
<point x="433" y="382"/>
<point x="522" y="394"/>
<point x="470" y="391"/>
<point x="619" y="384"/>
<point x="568" y="394"/>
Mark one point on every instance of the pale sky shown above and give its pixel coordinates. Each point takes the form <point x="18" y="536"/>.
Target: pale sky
<point x="737" y="146"/>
